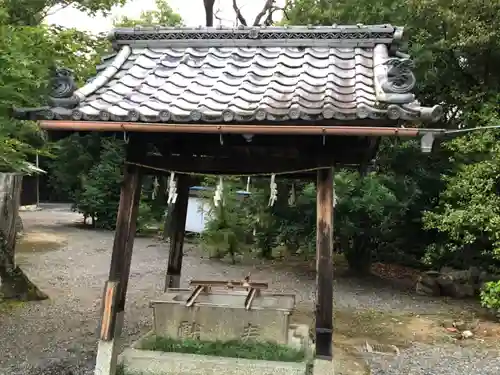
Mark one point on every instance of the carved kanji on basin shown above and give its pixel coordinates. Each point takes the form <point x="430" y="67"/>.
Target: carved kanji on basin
<point x="189" y="330"/>
<point x="250" y="332"/>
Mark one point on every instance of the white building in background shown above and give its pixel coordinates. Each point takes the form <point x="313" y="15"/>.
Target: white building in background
<point x="198" y="212"/>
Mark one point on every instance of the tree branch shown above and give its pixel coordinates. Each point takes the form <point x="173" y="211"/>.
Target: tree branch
<point x="51" y="11"/>
<point x="267" y="6"/>
<point x="451" y="117"/>
<point x="217" y="17"/>
<point x="286" y="8"/>
<point x="239" y="16"/>
<point x="270" y="13"/>
<point x="269" y="18"/>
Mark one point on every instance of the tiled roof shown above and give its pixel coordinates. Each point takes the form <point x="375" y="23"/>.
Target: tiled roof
<point x="271" y="74"/>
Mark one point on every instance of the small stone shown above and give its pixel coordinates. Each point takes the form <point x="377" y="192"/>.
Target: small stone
<point x="474" y="273"/>
<point x="460" y="325"/>
<point x="446" y="270"/>
<point x="467" y="334"/>
<point x="469" y="290"/>
<point x="448" y="324"/>
<point x="427" y="285"/>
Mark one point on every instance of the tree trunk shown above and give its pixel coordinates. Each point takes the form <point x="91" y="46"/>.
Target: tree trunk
<point x="19" y="226"/>
<point x="15" y="284"/>
<point x="209" y="12"/>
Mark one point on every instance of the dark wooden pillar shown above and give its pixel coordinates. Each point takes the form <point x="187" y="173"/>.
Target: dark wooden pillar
<point x="177" y="228"/>
<point x="113" y="302"/>
<point x="324" y="264"/>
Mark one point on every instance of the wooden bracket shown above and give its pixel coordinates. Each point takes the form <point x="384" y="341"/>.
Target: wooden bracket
<point x="196" y="292"/>
<point x="252" y="293"/>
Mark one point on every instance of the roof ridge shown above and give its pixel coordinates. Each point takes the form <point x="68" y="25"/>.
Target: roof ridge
<point x="270" y="36"/>
<point x="358" y="26"/>
<point x="104" y="75"/>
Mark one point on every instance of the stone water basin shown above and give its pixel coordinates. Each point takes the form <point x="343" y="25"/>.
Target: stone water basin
<point x="221" y="315"/>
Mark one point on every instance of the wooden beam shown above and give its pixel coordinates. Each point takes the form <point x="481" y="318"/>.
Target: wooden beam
<point x="324" y="264"/>
<point x="264" y="145"/>
<point x="177" y="230"/>
<point x="116" y="287"/>
<point x="210" y="148"/>
<point x="268" y="129"/>
<point x="236" y="165"/>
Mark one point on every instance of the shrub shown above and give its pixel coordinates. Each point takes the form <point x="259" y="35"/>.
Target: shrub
<point x="490" y="295"/>
<point x="100" y="193"/>
<point x="224" y="233"/>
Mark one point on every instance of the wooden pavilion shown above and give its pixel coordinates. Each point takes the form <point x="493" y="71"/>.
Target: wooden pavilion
<point x="245" y="101"/>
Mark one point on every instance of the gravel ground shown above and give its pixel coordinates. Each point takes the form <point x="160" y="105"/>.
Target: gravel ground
<point x="58" y="336"/>
<point x="428" y="360"/>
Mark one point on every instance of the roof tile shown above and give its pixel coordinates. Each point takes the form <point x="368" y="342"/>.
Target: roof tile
<point x="240" y="80"/>
<point x="257" y="74"/>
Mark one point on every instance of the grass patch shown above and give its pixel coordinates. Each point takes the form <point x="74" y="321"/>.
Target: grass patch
<point x="232" y="349"/>
<point x="35" y="242"/>
<point x="8" y="305"/>
<point x="355" y="327"/>
<point x="120" y="369"/>
<point x="383" y="327"/>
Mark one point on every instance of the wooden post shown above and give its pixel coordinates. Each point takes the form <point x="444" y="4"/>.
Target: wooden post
<point x="113" y="301"/>
<point x="177" y="230"/>
<point x="324" y="264"/>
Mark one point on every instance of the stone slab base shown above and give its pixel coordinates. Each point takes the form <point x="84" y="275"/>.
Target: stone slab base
<point x="145" y="362"/>
<point x="322" y="367"/>
<point x="136" y="361"/>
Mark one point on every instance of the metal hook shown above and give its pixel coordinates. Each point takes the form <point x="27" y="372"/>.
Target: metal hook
<point x="221" y="140"/>
<point x="125" y="137"/>
<point x="324" y="140"/>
